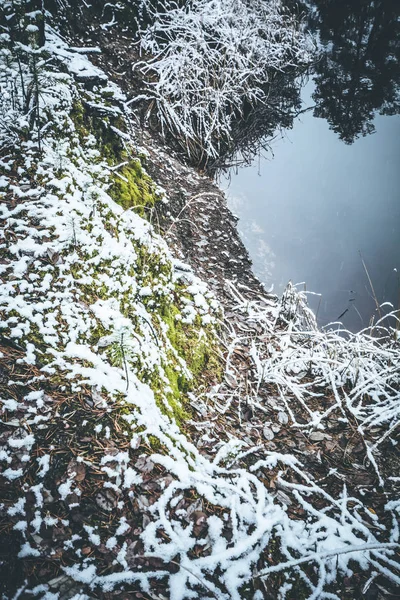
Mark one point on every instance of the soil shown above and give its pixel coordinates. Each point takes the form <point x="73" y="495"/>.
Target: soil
<point x="198" y="224"/>
<point x="196" y="219"/>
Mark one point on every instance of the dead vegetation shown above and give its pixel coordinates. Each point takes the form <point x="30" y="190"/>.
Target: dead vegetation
<point x="285" y="477"/>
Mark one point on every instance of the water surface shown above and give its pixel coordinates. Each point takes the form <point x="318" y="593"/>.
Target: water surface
<point x="318" y="208"/>
<point x="323" y="206"/>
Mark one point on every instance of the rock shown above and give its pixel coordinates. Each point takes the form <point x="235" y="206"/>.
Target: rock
<point x="90" y="80"/>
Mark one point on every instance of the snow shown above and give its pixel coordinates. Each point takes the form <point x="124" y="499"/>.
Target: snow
<point x="21" y="526"/>
<point x="88" y="242"/>
<point x="131" y="477"/>
<point x="9" y="404"/>
<point x="123" y="527"/>
<point x="94" y="538"/>
<point x="26" y="441"/>
<point x="17" y="508"/>
<point x="85" y="575"/>
<point x="226" y="51"/>
<point x="12" y="474"/>
<point x="65" y="489"/>
<point x="27" y="550"/>
<point x="111" y="542"/>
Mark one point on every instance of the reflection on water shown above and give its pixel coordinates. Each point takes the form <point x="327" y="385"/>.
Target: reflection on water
<point x="255" y="131"/>
<point x="358" y="72"/>
<point x="317" y="208"/>
<point x="308" y="212"/>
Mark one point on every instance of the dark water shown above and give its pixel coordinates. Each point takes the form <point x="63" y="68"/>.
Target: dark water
<point x="324" y="206"/>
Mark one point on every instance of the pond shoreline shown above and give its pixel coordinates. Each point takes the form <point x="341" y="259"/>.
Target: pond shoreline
<point x="170" y="428"/>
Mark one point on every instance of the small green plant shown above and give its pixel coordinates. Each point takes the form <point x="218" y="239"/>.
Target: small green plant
<point x="121" y="351"/>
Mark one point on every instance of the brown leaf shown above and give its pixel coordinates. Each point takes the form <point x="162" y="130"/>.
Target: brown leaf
<point x="146" y="520"/>
<point x="194" y="508"/>
<point x="133" y="551"/>
<point x="330" y="445"/>
<point x="144" y="464"/>
<point x="231" y="381"/>
<point x="76" y="469"/>
<point x="106" y="500"/>
<point x="199" y="519"/>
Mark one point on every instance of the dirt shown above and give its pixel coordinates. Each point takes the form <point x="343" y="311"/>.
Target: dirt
<point x="197" y="222"/>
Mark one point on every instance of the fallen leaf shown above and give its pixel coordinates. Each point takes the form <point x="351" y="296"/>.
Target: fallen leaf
<point x="318" y="436"/>
<point x="76" y="470"/>
<point x="268" y="433"/>
<point x="283" y="418"/>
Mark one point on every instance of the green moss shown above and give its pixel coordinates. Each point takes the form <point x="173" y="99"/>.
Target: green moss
<point x="108" y="142"/>
<point x="96" y="333"/>
<point x="154" y="443"/>
<point x="195" y="343"/>
<point x="168" y="391"/>
<point x="80" y="121"/>
<point x="132" y="188"/>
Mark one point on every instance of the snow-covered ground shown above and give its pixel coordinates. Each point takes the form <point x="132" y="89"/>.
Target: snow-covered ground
<point x="102" y="487"/>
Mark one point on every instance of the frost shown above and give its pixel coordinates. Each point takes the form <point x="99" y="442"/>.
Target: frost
<point x="210" y="58"/>
<point x="76" y="285"/>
